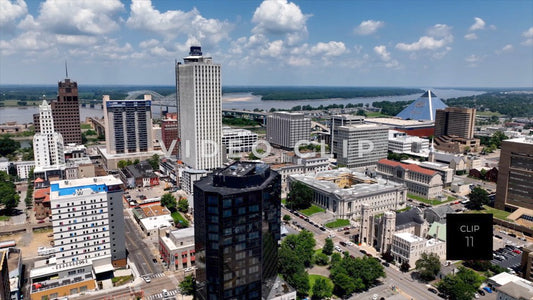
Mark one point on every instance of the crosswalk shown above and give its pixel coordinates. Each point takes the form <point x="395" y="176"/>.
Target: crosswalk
<point x="157" y="275"/>
<point x="169" y="295"/>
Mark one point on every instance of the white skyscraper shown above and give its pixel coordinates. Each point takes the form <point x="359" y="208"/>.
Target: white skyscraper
<point x="199" y="102"/>
<point x="48" y="147"/>
<point x="88" y="220"/>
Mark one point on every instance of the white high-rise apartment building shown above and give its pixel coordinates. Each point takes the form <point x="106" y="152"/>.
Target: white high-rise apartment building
<point x="48" y="146"/>
<point x="88" y="219"/>
<point x="199" y="102"/>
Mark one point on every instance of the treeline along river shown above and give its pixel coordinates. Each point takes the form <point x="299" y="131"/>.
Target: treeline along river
<point x="238" y="101"/>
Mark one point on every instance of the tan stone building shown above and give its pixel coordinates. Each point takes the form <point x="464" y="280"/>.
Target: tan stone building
<point x="514" y="188"/>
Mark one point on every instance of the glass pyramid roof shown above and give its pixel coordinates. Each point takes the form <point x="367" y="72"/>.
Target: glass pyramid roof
<point x="423" y="108"/>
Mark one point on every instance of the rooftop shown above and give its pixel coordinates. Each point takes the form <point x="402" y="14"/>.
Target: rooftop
<point x="71" y="187"/>
<point x="399" y="122"/>
<point x="156" y="222"/>
<point x="413" y="168"/>
<point x="408" y="237"/>
<point x="517" y="290"/>
<point x="344" y="182"/>
<point x="355" y="127"/>
<point x="424" y="108"/>
<point x="522" y="140"/>
<point x="154" y="210"/>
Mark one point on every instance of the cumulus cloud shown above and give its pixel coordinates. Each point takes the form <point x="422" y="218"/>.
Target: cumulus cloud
<point x="273" y="49"/>
<point x="479" y="24"/>
<point x="11" y="10"/>
<point x="28" y="41"/>
<point x="82" y="17"/>
<point x="471" y="36"/>
<point x="505" y="49"/>
<point x="173" y="23"/>
<point x="331" y="48"/>
<point x="368" y="27"/>
<point x="382" y="52"/>
<point x="528" y="34"/>
<point x="279" y="17"/>
<point x="473" y="60"/>
<point x="437" y="37"/>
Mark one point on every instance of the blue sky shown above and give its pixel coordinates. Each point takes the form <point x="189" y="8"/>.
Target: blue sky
<point x="274" y="42"/>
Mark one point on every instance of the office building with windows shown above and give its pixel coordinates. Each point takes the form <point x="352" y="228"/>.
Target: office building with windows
<point x="199" y="104"/>
<point x="169" y="132"/>
<point x="285" y="129"/>
<point x="457" y="121"/>
<point x="48" y="144"/>
<point x="360" y="145"/>
<point x="514" y="188"/>
<point x="65" y="111"/>
<point x="237" y="212"/>
<point x="128" y="125"/>
<point x="238" y="140"/>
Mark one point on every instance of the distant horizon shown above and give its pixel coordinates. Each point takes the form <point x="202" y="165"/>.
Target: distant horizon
<point x="280" y="86"/>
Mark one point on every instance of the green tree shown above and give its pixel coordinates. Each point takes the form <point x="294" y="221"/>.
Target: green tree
<point x="183" y="205"/>
<point x="461" y="286"/>
<point x="300" y="281"/>
<point x="321" y="259"/>
<point x="321" y="289"/>
<point x="328" y="247"/>
<point x="286" y="218"/>
<point x="344" y="284"/>
<point x="122" y="164"/>
<point x="154" y="162"/>
<point x="136" y="161"/>
<point x="428" y="266"/>
<point x="9" y="196"/>
<point x="300" y="196"/>
<point x="335" y="258"/>
<point x="478" y="197"/>
<point x="188" y="285"/>
<point x="404" y="267"/>
<point x="169" y="201"/>
<point x="8" y="146"/>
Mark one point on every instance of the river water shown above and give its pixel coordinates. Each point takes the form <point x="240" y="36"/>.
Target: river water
<point x="237" y="101"/>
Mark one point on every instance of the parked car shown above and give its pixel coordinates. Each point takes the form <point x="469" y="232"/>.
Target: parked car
<point x="488" y="290"/>
<point x="147" y="279"/>
<point x="481" y="292"/>
<point x="342" y="243"/>
<point x="165" y="293"/>
<point x="322" y="228"/>
<point x="386" y="264"/>
<point x="434" y="291"/>
<point x="338" y="248"/>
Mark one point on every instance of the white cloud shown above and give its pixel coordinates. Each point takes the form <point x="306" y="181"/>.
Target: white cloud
<point x="438" y="36"/>
<point x="331" y="48"/>
<point x="479" y="24"/>
<point x="368" y="27"/>
<point x="299" y="61"/>
<point x="173" y="23"/>
<point x="75" y="40"/>
<point x="473" y="60"/>
<point x="273" y="49"/>
<point x="279" y="17"/>
<point x="471" y="36"/>
<point x="28" y="41"/>
<point x="507" y="48"/>
<point x="10" y="11"/>
<point x="528" y="34"/>
<point x="382" y="52"/>
<point x="81" y="17"/>
<point x="149" y="43"/>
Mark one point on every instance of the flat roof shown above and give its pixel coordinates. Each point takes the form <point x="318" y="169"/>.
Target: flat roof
<point x="70" y="187"/>
<point x="362" y="126"/>
<point x="323" y="181"/>
<point x="129" y="156"/>
<point x="522" y="140"/>
<point x="409" y="237"/>
<point x="157" y="222"/>
<point x="398" y="122"/>
<point x="155" y="210"/>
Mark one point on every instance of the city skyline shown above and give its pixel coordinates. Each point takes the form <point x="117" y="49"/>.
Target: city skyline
<point x="274" y="42"/>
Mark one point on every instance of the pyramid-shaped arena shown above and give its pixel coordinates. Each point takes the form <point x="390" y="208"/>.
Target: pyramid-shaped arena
<point x="423" y="108"/>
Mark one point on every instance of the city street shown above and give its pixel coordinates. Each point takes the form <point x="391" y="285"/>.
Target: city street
<point x="138" y="252"/>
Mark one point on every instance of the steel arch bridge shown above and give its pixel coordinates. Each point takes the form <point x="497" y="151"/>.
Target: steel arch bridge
<point x="157" y="99"/>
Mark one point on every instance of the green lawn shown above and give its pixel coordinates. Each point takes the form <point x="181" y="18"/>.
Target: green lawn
<point x="499" y="214"/>
<point x="404" y="209"/>
<point x="338" y="223"/>
<point x="429" y="201"/>
<point x="4" y="218"/>
<point x="178" y="217"/>
<point x="86" y="126"/>
<point x="284" y="201"/>
<point x="375" y="114"/>
<point x="312" y="210"/>
<point x="313" y="278"/>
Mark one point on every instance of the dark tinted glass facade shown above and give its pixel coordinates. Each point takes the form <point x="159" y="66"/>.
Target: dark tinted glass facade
<point x="237" y="229"/>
